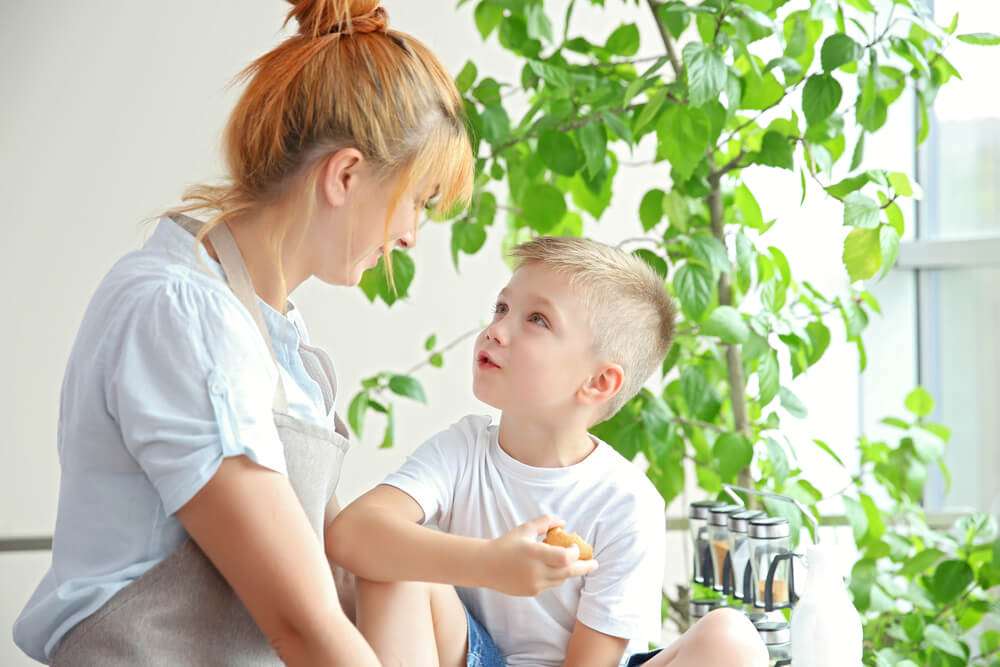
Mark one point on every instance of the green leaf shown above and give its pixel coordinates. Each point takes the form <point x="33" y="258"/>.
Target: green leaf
<point x="544" y="206"/>
<point x="862" y="254"/>
<point x="733" y="453"/>
<point x="390" y="428"/>
<point x="649" y="110"/>
<point x="919" y="402"/>
<point x="848" y="185"/>
<point x="655" y="261"/>
<point x="857" y="517"/>
<point x="980" y="38"/>
<point x="726" y="323"/>
<point x="858" y="156"/>
<point x="594" y="144"/>
<point x="820" y="97"/>
<point x="792" y="403"/>
<point x="710" y="251"/>
<point x="701" y="398"/>
<point x="624" y="41"/>
<point x="375" y="282"/>
<point x="748" y="206"/>
<point x="826" y="448"/>
<point x="617" y="126"/>
<point x="913" y="626"/>
<point x="467" y="237"/>
<point x="496" y="124"/>
<point x="779" y="461"/>
<point x="861" y="211"/>
<point x="895" y="216"/>
<point x="941" y="639"/>
<point x="539" y="26"/>
<point x="651" y="208"/>
<point x="554" y="76"/>
<point x="706" y="72"/>
<point x="430" y="342"/>
<point x="410" y="387"/>
<point x="436" y="360"/>
<point x="900" y="183"/>
<point x="488" y="17"/>
<point x="683" y="135"/>
<point x="768" y="377"/>
<point x="466" y="77"/>
<point x="356" y="412"/>
<point x="839" y="49"/>
<point x="889" y="242"/>
<point x="819" y="340"/>
<point x="694" y="287"/>
<point x="559" y="152"/>
<point x="776" y="151"/>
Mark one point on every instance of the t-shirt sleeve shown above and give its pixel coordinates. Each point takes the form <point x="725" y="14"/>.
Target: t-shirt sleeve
<point x="622" y="597"/>
<point x="431" y="474"/>
<point x="192" y="384"/>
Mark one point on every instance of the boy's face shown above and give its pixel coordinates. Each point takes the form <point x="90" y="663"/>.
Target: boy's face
<point x="538" y="351"/>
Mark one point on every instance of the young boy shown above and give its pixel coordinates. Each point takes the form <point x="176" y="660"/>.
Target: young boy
<point x="576" y="332"/>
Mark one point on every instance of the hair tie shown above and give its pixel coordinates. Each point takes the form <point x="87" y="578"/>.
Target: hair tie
<point x="377" y="20"/>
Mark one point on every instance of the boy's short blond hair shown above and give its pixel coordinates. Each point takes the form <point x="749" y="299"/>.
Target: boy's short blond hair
<point x="630" y="311"/>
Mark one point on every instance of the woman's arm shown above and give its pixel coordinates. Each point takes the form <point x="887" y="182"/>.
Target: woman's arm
<point x="379" y="537"/>
<point x="250" y="524"/>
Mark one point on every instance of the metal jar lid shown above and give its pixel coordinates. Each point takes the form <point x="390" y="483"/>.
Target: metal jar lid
<point x="719" y="516"/>
<point x="740" y="521"/>
<point x="700" y="508"/>
<point x="769" y="528"/>
<point x="700" y="607"/>
<point x="775" y="632"/>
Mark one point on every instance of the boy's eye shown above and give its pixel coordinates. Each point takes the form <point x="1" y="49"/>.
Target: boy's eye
<point x="500" y="308"/>
<point x="538" y="319"/>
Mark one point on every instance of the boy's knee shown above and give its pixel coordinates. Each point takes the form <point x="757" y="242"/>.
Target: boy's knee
<point x="733" y="637"/>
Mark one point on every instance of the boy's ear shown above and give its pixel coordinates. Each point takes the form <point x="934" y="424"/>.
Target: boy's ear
<point x="339" y="174"/>
<point x="602" y="385"/>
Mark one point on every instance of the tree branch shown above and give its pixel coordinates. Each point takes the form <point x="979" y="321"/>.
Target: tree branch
<point x="668" y="41"/>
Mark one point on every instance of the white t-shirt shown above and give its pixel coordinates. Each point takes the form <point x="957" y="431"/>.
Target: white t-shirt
<point x="467" y="485"/>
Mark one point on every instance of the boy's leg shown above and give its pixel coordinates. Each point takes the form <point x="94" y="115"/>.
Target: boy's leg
<point x="723" y="638"/>
<point x="413" y="623"/>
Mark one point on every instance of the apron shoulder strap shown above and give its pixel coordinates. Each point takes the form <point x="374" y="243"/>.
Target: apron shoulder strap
<point x="239" y="281"/>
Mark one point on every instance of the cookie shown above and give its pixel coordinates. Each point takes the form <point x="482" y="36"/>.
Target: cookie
<point x="557" y="537"/>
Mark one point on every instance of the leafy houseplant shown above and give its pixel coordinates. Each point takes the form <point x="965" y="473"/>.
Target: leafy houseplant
<point x="735" y="88"/>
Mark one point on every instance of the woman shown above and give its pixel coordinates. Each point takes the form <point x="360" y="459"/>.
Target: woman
<point x="198" y="447"/>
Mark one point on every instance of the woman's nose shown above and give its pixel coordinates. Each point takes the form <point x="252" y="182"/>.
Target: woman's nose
<point x="408" y="240"/>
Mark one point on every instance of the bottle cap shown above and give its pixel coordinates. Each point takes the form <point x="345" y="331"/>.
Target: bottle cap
<point x="740" y="521"/>
<point x="775" y="632"/>
<point x="700" y="508"/>
<point x="719" y="516"/>
<point x="769" y="528"/>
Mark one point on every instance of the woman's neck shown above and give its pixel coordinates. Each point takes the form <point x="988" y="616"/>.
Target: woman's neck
<point x="257" y="235"/>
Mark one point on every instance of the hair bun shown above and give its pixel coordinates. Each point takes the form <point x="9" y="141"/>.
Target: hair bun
<point x="338" y="17"/>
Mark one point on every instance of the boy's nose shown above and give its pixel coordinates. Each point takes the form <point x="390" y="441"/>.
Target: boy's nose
<point x="495" y="333"/>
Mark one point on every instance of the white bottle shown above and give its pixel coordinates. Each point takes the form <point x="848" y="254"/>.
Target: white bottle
<point x="826" y="628"/>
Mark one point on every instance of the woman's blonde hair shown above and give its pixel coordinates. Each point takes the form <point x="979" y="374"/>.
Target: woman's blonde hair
<point x="343" y="80"/>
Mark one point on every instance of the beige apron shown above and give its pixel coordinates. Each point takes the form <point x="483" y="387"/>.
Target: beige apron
<point x="182" y="611"/>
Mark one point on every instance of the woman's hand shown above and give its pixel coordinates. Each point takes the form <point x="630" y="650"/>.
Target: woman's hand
<point x="521" y="565"/>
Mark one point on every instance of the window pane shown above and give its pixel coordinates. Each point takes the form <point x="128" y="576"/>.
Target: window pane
<point x="960" y="362"/>
<point x="960" y="161"/>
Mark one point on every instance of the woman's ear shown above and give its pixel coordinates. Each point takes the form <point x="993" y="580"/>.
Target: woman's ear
<point x="602" y="385"/>
<point x="339" y="175"/>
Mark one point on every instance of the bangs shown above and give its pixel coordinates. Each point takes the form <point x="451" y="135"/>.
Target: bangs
<point x="445" y="161"/>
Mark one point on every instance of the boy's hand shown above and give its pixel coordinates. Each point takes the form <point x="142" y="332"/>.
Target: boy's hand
<point x="521" y="565"/>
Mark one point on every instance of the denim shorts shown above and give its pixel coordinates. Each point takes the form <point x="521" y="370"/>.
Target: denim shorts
<point x="482" y="651"/>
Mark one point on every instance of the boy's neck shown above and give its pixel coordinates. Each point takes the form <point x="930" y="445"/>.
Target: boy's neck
<point x="541" y="445"/>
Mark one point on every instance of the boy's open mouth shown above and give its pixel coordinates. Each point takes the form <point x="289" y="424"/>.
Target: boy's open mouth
<point x="484" y="361"/>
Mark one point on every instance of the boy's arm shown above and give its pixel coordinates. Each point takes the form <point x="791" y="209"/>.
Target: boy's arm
<point x="379" y="537"/>
<point x="590" y="648"/>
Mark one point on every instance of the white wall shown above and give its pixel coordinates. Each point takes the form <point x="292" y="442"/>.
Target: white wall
<point x="110" y="108"/>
